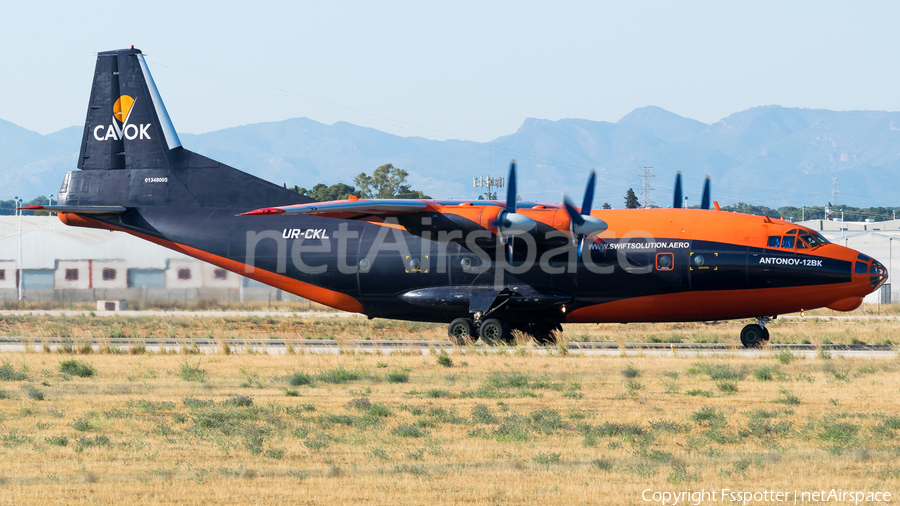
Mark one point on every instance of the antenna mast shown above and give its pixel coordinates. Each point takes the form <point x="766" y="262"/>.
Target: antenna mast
<point x="645" y="186"/>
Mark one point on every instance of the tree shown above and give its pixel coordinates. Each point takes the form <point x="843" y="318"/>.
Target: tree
<point x="387" y="182"/>
<point x="324" y="193"/>
<point x="606" y="205"/>
<point x="631" y="201"/>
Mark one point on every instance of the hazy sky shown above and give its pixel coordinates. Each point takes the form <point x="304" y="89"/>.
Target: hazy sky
<point x="470" y="70"/>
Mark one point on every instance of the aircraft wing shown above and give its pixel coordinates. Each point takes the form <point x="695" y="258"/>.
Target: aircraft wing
<point x="77" y="209"/>
<point x="343" y="208"/>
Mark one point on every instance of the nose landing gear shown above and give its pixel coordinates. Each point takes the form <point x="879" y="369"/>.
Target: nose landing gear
<point x="756" y="334"/>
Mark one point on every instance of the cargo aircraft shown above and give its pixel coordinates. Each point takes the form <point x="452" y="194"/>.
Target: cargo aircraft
<point x="484" y="267"/>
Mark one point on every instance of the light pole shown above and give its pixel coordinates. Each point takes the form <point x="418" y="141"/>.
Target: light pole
<point x="50" y="199"/>
<point x="803" y="213"/>
<point x="685" y="203"/>
<point x="842" y="223"/>
<point x="21" y="279"/>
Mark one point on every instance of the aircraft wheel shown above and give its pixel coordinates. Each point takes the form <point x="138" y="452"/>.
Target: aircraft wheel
<point x="462" y="331"/>
<point x="494" y="331"/>
<point x="765" y="335"/>
<point x="543" y="334"/>
<point x="753" y="336"/>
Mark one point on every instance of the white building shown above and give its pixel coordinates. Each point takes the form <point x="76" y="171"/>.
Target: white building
<point x="61" y="262"/>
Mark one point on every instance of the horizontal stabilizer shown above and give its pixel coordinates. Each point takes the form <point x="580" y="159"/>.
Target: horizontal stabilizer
<point x="77" y="209"/>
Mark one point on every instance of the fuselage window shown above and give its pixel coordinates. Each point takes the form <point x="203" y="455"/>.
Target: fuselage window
<point x="787" y="242"/>
<point x="665" y="261"/>
<point x="860" y="268"/>
<point x="774" y="241"/>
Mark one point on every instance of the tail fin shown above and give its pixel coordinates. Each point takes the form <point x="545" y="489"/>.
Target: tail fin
<point x="131" y="155"/>
<point x="127" y="125"/>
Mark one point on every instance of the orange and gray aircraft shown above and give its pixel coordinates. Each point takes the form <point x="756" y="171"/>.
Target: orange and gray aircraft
<point x="486" y="268"/>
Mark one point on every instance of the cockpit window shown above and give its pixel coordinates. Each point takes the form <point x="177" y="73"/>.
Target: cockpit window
<point x="791" y="231"/>
<point x="787" y="242"/>
<point x="774" y="241"/>
<point x="810" y="239"/>
<point x="801" y="244"/>
<point x="863" y="258"/>
<point x="821" y="238"/>
<point x="860" y="268"/>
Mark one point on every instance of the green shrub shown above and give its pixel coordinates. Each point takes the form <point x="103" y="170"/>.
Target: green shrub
<point x="408" y="430"/>
<point x="631" y="372"/>
<point x="85" y="424"/>
<point x="445" y="361"/>
<point x="708" y="416"/>
<point x="722" y="372"/>
<point x="380" y="410"/>
<point x="546" y="458"/>
<point x="299" y="379"/>
<point x="57" y="440"/>
<point x="787" y="397"/>
<point x="191" y="372"/>
<point x="785" y="357"/>
<point x="35" y="394"/>
<point x="602" y="464"/>
<point x="76" y="368"/>
<point x="728" y="387"/>
<point x="482" y="414"/>
<point x="765" y="373"/>
<point x="93" y="441"/>
<point x="339" y="375"/>
<point x="838" y="432"/>
<point x="9" y="373"/>
<point x="398" y="376"/>
<point x="275" y="453"/>
<point x="241" y="401"/>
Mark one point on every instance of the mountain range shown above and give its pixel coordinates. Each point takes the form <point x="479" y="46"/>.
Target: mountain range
<point x="767" y="155"/>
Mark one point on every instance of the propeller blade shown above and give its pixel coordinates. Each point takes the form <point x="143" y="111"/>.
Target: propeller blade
<point x="574" y="215"/>
<point x="704" y="201"/>
<point x="509" y="247"/>
<point x="588" y="202"/>
<point x="679" y="198"/>
<point x="511" y="188"/>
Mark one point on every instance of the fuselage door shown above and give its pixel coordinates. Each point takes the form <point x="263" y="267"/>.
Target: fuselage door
<point x="718" y="268"/>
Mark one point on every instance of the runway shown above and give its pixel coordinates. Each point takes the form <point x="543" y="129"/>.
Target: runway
<point x="323" y="346"/>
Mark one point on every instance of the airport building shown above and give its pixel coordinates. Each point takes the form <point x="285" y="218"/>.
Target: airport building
<point x="64" y="263"/>
<point x="79" y="264"/>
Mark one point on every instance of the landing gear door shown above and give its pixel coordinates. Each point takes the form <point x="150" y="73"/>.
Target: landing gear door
<point x="718" y="269"/>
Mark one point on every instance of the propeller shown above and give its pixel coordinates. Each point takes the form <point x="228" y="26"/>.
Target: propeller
<point x="509" y="223"/>
<point x="679" y="196"/>
<point x="582" y="224"/>
<point x="704" y="201"/>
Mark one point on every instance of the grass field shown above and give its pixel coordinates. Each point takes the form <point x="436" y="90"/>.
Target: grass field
<point x="465" y="428"/>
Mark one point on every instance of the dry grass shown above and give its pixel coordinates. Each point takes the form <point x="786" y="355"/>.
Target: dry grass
<point x="518" y="428"/>
<point x="856" y="329"/>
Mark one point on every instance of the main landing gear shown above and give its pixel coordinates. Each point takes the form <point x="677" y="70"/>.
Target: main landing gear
<point x="756" y="334"/>
<point x="495" y="331"/>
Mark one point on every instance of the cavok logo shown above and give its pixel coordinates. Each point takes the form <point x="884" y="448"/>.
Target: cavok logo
<point x="121" y="114"/>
